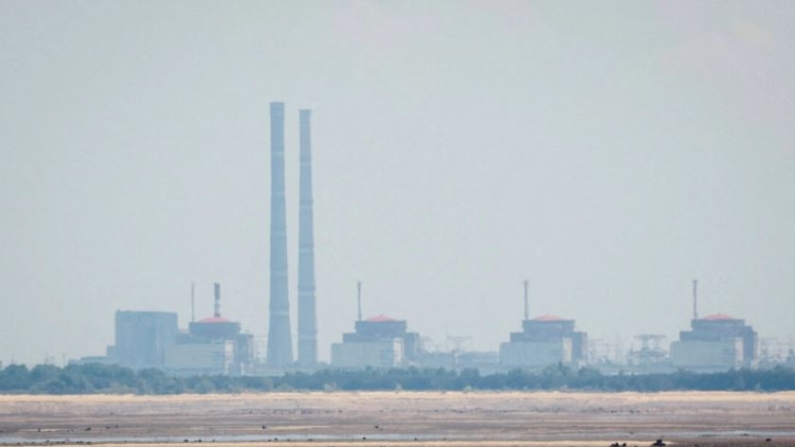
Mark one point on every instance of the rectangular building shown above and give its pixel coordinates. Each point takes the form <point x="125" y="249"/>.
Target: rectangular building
<point x="707" y="356"/>
<point x="142" y="337"/>
<point x="543" y="341"/>
<point x="375" y="354"/>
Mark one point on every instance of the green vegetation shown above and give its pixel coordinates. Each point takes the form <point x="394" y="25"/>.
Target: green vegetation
<point x="96" y="378"/>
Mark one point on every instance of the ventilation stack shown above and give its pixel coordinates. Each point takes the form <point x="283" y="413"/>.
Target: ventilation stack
<point x="307" y="319"/>
<point x="695" y="299"/>
<point x="280" y="345"/>
<point x="359" y="300"/>
<point x="217" y="308"/>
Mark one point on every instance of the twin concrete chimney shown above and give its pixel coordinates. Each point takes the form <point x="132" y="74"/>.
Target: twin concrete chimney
<point x="280" y="353"/>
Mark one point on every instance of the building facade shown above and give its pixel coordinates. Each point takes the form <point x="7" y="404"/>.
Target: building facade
<point x="379" y="342"/>
<point x="543" y="341"/>
<point x="716" y="343"/>
<point x="142" y="338"/>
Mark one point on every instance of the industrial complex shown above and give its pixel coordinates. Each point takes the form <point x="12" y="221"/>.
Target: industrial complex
<point x="213" y="345"/>
<point x="216" y="345"/>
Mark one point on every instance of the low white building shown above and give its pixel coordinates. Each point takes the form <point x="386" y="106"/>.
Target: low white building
<point x="707" y="356"/>
<point x="535" y="354"/>
<point x="208" y="357"/>
<point x="376" y="354"/>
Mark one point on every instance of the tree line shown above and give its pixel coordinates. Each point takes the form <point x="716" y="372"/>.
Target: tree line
<point x="113" y="379"/>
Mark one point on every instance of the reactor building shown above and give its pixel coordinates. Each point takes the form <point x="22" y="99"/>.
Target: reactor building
<point x="715" y="343"/>
<point x="543" y="341"/>
<point x="377" y="342"/>
<point x="213" y="345"/>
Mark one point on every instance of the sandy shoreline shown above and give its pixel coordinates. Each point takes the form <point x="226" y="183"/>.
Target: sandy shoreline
<point x="318" y="419"/>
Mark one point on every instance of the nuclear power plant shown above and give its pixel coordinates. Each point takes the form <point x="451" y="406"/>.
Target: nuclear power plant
<point x="216" y="345"/>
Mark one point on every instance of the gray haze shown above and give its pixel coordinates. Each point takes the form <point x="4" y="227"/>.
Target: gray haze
<point x="608" y="152"/>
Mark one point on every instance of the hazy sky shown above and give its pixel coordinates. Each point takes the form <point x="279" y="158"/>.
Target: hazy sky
<point x="608" y="152"/>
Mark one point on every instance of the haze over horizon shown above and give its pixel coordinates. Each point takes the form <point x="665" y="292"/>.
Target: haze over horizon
<point x="607" y="152"/>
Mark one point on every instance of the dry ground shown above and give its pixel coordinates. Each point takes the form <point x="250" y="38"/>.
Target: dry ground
<point x="434" y="419"/>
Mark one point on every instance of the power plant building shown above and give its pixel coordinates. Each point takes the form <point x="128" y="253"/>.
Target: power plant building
<point x="544" y="340"/>
<point x="716" y="343"/>
<point x="142" y="338"/>
<point x="378" y="342"/>
<point x="214" y="345"/>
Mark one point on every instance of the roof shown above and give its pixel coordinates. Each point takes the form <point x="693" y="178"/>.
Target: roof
<point x="380" y="319"/>
<point x="548" y="317"/>
<point x="718" y="317"/>
<point x="214" y="320"/>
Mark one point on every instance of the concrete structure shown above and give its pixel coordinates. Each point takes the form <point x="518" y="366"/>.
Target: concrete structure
<point x="142" y="338"/>
<point x="280" y="345"/>
<point x="716" y="343"/>
<point x="376" y="354"/>
<point x="214" y="345"/>
<point x="544" y="340"/>
<point x="189" y="357"/>
<point x="379" y="341"/>
<point x="307" y="319"/>
<point x="650" y="358"/>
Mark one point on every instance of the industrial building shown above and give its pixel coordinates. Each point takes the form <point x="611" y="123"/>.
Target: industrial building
<point x="213" y="345"/>
<point x="142" y="338"/>
<point x="715" y="343"/>
<point x="379" y="342"/>
<point x="543" y="341"/>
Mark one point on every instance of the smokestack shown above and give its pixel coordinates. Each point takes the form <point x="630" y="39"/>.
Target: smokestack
<point x="695" y="299"/>
<point x="307" y="319"/>
<point x="217" y="308"/>
<point x="526" y="314"/>
<point x="280" y="344"/>
<point x="359" y="299"/>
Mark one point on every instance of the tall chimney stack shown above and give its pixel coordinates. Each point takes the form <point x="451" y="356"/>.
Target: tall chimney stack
<point x="280" y="344"/>
<point x="217" y="308"/>
<point x="307" y="319"/>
